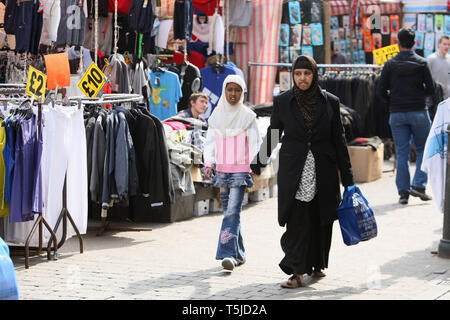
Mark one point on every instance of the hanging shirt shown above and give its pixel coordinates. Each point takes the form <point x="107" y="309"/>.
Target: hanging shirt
<point x="240" y="13"/>
<point x="166" y="92"/>
<point x="72" y="24"/>
<point x="26" y="190"/>
<point x="8" y="155"/>
<point x="216" y="35"/>
<point x="200" y="29"/>
<point x="212" y="84"/>
<point x="4" y="206"/>
<point x="435" y="153"/>
<point x="183" y="19"/>
<point x="52" y="14"/>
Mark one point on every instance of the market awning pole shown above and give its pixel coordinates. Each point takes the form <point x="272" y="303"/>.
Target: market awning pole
<point x="96" y="30"/>
<point x="444" y="244"/>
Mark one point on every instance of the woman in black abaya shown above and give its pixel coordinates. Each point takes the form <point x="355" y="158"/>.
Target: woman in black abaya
<point x="313" y="151"/>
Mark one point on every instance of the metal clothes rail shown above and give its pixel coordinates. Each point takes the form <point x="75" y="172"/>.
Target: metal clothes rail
<point x="289" y="65"/>
<point x="111" y="99"/>
<point x="40" y="220"/>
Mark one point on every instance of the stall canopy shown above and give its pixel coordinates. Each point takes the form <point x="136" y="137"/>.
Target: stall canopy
<point x="339" y="8"/>
<point x="383" y="7"/>
<point x="426" y="6"/>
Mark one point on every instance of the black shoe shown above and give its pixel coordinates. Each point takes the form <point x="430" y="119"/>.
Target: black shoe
<point x="420" y="193"/>
<point x="404" y="197"/>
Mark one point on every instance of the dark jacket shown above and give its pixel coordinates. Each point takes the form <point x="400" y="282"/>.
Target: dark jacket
<point x="409" y="80"/>
<point x="327" y="144"/>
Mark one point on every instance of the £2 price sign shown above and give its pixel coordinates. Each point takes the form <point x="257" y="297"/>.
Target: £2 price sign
<point x="36" y="84"/>
<point x="384" y="54"/>
<point x="92" y="81"/>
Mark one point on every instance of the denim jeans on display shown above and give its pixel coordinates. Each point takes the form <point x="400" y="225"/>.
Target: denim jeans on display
<point x="232" y="190"/>
<point x="404" y="125"/>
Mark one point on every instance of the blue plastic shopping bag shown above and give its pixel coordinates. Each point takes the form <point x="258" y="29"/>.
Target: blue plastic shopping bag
<point x="8" y="281"/>
<point x="356" y="218"/>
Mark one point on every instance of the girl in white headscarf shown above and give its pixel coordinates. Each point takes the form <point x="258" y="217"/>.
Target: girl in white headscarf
<point x="232" y="141"/>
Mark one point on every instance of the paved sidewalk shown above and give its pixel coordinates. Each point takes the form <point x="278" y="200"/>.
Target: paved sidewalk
<point x="176" y="261"/>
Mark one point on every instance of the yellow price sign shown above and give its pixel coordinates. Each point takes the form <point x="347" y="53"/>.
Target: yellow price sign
<point x="92" y="81"/>
<point x="384" y="54"/>
<point x="36" y="83"/>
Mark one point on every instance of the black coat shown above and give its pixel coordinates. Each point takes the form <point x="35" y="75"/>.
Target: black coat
<point x="327" y="144"/>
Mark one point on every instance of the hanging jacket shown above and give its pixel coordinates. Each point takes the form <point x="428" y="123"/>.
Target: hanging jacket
<point x="141" y="16"/>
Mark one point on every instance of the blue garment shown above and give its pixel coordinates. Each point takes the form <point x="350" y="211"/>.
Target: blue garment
<point x="9" y="155"/>
<point x="166" y="92"/>
<point x="200" y="47"/>
<point x="232" y="180"/>
<point x="26" y="189"/>
<point x="231" y="244"/>
<point x="8" y="282"/>
<point x="403" y="125"/>
<point x="213" y="79"/>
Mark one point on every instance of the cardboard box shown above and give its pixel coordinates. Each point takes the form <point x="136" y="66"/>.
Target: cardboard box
<point x="259" y="195"/>
<point x="367" y="163"/>
<point x="245" y="200"/>
<point x="201" y="208"/>
<point x="215" y="205"/>
<point x="273" y="191"/>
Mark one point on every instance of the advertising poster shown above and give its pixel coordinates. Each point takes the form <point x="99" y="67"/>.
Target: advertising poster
<point x="421" y="22"/>
<point x="296" y="36"/>
<point x="284" y="35"/>
<point x="420" y="38"/>
<point x="308" y="51"/>
<point x="306" y="37"/>
<point x="316" y="34"/>
<point x="294" y="12"/>
<point x="385" y="25"/>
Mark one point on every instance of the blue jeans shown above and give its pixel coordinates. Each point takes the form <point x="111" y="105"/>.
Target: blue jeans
<point x="231" y="243"/>
<point x="404" y="125"/>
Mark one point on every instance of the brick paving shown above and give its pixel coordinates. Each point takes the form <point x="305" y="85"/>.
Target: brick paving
<point x="176" y="261"/>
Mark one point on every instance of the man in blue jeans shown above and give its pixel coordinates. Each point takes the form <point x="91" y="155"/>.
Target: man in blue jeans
<point x="408" y="79"/>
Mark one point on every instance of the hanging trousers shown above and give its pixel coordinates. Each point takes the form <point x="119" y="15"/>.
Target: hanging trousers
<point x="65" y="152"/>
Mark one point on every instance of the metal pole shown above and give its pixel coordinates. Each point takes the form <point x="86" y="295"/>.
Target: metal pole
<point x="444" y="244"/>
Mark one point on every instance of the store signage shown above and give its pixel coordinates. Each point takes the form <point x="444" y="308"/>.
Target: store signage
<point x="58" y="70"/>
<point x="36" y="84"/>
<point x="92" y="81"/>
<point x="384" y="54"/>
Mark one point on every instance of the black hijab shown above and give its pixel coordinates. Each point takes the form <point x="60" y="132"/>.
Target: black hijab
<point x="307" y="99"/>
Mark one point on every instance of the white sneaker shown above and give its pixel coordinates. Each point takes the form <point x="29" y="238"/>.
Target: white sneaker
<point x="228" y="263"/>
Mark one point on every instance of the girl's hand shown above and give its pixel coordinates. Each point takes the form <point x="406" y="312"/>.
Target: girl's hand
<point x="208" y="172"/>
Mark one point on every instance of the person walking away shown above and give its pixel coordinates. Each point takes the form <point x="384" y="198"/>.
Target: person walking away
<point x="232" y="140"/>
<point x="439" y="63"/>
<point x="408" y="78"/>
<point x="312" y="154"/>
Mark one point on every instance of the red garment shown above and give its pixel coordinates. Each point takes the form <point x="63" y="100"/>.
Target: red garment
<point x="176" y="125"/>
<point x="195" y="58"/>
<point x="123" y="6"/>
<point x="208" y="7"/>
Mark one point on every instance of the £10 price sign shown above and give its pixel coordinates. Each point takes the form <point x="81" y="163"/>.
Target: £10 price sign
<point x="92" y="81"/>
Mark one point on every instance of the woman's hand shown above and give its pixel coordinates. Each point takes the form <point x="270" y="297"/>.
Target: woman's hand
<point x="208" y="172"/>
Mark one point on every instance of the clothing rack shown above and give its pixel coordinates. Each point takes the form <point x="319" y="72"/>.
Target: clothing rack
<point x="25" y="250"/>
<point x="289" y="65"/>
<point x="111" y="99"/>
